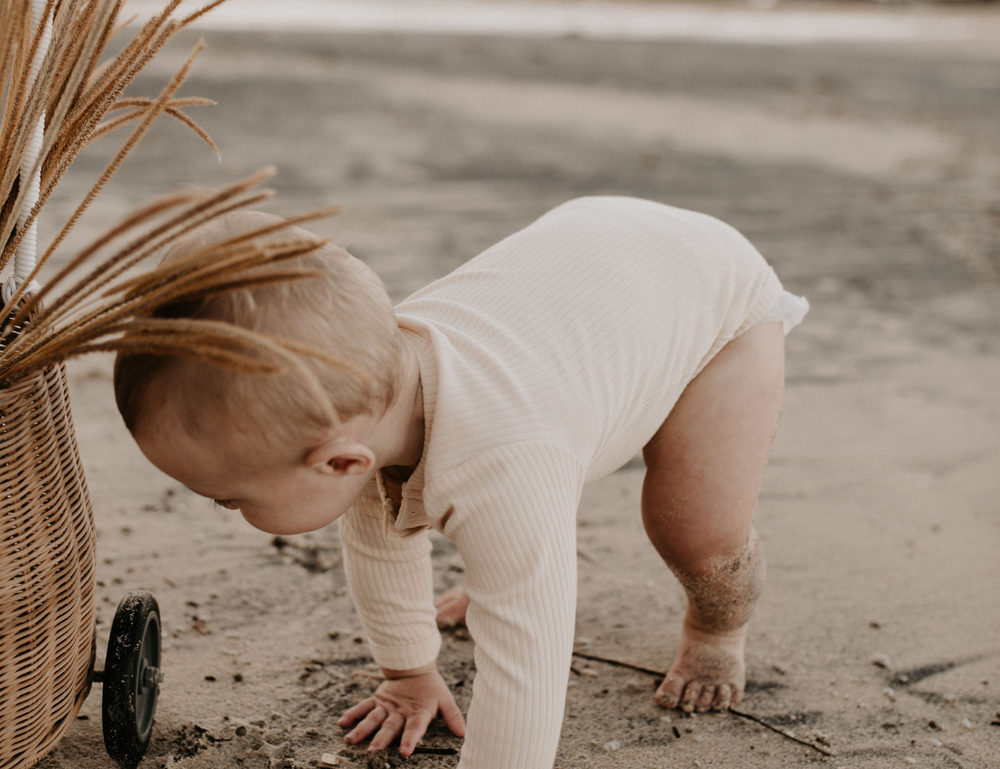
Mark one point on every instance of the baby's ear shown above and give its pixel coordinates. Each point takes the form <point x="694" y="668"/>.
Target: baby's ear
<point x="341" y="457"/>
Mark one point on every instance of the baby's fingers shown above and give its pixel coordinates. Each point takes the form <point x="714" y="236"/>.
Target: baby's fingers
<point x="453" y="717"/>
<point x="391" y="727"/>
<point x="370" y="723"/>
<point x="416" y="726"/>
<point x="353" y="714"/>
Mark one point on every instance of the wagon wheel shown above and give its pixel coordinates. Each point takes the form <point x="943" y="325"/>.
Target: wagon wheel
<point x="131" y="678"/>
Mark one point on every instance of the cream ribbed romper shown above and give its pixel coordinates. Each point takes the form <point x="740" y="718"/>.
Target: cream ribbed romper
<point x="546" y="362"/>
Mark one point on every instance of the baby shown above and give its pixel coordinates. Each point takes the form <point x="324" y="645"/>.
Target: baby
<point x="609" y="326"/>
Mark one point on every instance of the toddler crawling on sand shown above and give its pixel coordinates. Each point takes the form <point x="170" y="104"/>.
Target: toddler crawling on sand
<point x="489" y="398"/>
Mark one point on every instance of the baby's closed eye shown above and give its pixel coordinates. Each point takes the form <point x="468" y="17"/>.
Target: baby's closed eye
<point x="229" y="504"/>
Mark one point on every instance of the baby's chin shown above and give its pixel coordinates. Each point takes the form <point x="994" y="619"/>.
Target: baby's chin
<point x="293" y="524"/>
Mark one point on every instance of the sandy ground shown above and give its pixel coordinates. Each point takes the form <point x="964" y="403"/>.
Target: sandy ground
<point x="868" y="174"/>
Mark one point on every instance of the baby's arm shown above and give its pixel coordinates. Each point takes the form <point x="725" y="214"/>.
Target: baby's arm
<point x="390" y="580"/>
<point x="515" y="526"/>
<point x="514" y="522"/>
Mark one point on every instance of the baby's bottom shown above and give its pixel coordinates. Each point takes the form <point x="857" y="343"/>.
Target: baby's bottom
<point x="704" y="470"/>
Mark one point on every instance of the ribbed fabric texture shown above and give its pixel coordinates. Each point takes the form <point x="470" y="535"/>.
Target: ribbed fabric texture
<point x="547" y="361"/>
<point x="520" y="572"/>
<point x="392" y="584"/>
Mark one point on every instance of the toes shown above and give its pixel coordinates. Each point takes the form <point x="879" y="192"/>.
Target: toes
<point x="705" y="699"/>
<point x="690" y="698"/>
<point x="737" y="695"/>
<point x="723" y="697"/>
<point x="670" y="691"/>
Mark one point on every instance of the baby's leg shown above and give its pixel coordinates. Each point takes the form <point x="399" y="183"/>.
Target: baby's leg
<point x="704" y="470"/>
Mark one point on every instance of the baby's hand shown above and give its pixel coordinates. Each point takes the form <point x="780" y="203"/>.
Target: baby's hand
<point x="708" y="672"/>
<point x="404" y="705"/>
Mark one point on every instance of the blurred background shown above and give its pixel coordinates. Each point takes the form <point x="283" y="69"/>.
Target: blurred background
<point x="855" y="144"/>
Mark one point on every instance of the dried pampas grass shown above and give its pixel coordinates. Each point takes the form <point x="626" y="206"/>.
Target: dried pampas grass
<point x="100" y="304"/>
<point x="95" y="303"/>
<point x="50" y="70"/>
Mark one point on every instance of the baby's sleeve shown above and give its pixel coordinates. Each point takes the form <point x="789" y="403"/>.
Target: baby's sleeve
<point x="514" y="522"/>
<point x="392" y="586"/>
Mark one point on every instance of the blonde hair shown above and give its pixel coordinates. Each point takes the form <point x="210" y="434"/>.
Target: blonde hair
<point x="345" y="310"/>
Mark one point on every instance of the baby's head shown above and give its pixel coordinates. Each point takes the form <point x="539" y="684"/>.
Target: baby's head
<point x="263" y="443"/>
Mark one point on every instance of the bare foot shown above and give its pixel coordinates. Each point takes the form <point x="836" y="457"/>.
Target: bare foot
<point x="709" y="672"/>
<point x="452" y="606"/>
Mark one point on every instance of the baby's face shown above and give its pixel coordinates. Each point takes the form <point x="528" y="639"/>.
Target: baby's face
<point x="278" y="497"/>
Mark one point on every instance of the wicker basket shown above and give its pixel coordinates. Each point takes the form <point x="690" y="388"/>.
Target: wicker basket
<point x="47" y="569"/>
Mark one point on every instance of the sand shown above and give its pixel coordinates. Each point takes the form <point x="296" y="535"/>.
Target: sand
<point x="869" y="174"/>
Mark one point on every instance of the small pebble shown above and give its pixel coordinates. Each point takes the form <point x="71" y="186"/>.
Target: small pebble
<point x="910" y="760"/>
<point x="936" y="742"/>
<point x="903" y="678"/>
<point x="201" y="626"/>
<point x="329" y="759"/>
<point x="881" y="660"/>
<point x="950" y="699"/>
<point x="613" y="745"/>
<point x="890" y="693"/>
<point x="589" y="672"/>
<point x="966" y="723"/>
<point x="780" y="667"/>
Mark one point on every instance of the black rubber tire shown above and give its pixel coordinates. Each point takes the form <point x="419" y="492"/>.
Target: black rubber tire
<point x="128" y="703"/>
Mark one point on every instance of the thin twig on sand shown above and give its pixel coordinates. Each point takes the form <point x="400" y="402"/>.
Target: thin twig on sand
<point x="784" y="733"/>
<point x="619" y="663"/>
<point x="741" y="714"/>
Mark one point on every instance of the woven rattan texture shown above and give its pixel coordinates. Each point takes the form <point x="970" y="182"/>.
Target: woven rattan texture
<point x="47" y="566"/>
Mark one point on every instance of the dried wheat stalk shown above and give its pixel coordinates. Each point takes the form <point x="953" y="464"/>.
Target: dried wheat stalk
<point x="95" y="302"/>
